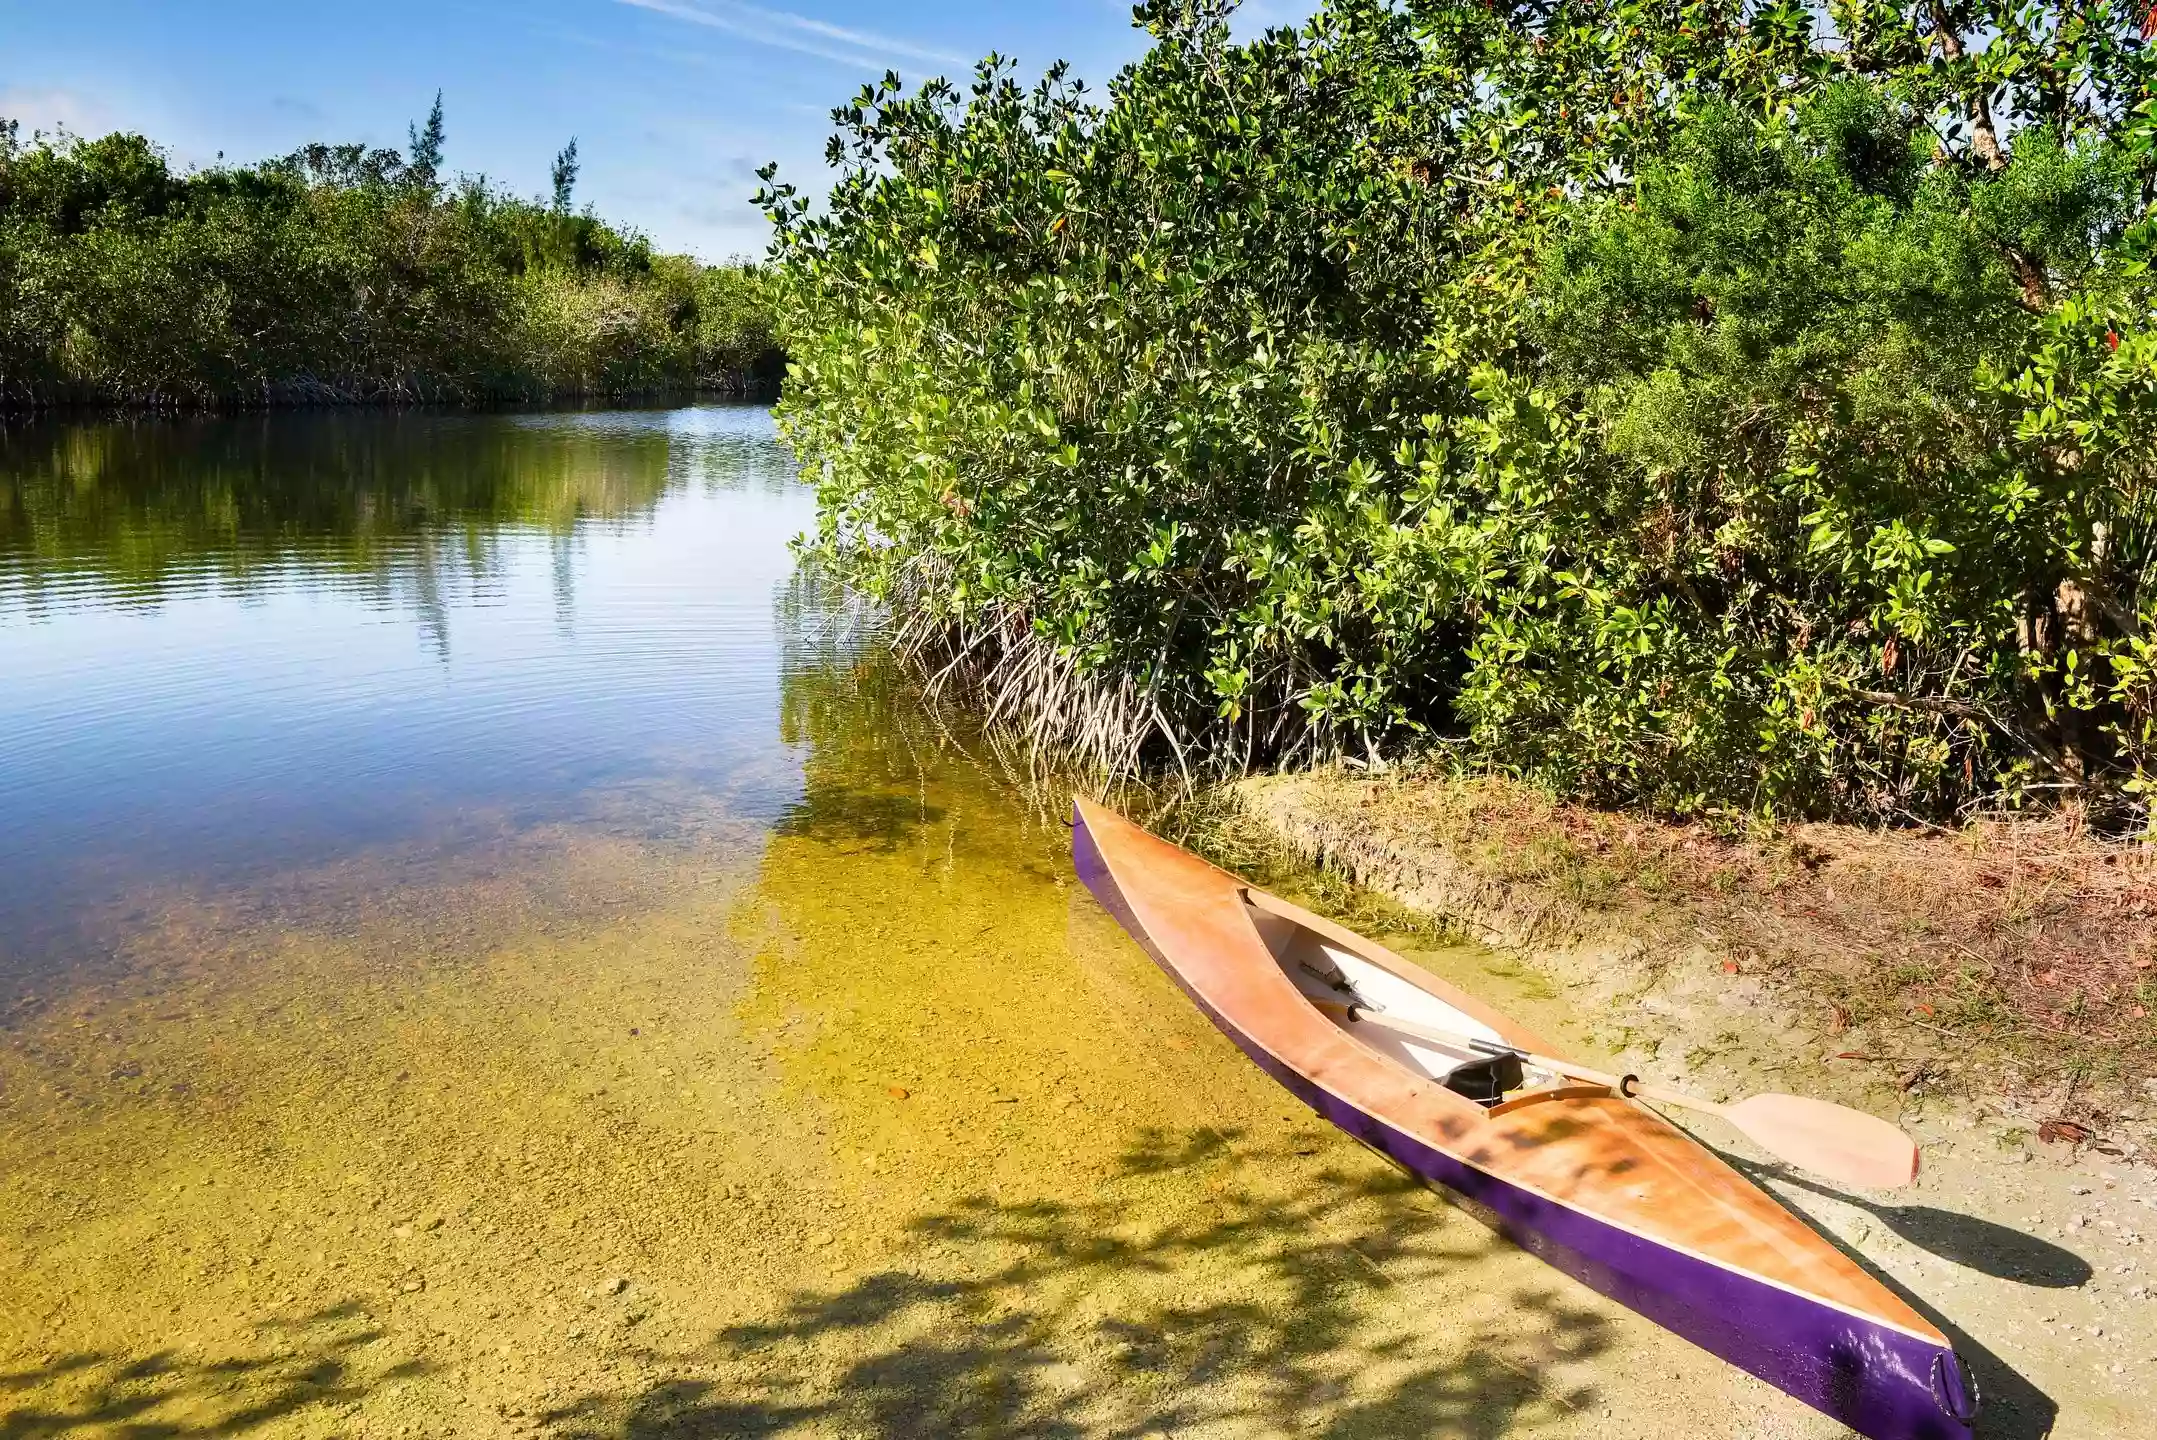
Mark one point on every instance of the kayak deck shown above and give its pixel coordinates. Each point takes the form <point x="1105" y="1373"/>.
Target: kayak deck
<point x="1585" y="1147"/>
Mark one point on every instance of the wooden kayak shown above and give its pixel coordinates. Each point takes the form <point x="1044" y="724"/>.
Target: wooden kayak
<point x="1595" y="1184"/>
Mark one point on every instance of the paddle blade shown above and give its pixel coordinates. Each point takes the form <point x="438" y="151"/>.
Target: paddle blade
<point x="1833" y="1141"/>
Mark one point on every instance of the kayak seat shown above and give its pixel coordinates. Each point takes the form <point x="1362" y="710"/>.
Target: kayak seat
<point x="1486" y="1078"/>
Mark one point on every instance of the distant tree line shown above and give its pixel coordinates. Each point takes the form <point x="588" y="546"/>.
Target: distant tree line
<point x="342" y="273"/>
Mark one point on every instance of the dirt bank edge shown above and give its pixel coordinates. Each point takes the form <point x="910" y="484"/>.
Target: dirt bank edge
<point x="2003" y="971"/>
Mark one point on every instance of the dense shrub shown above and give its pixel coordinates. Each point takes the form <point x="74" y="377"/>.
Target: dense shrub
<point x="1797" y="528"/>
<point x="340" y="273"/>
<point x="1688" y="403"/>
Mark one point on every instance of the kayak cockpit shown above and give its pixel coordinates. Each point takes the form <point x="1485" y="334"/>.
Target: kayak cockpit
<point x="1340" y="981"/>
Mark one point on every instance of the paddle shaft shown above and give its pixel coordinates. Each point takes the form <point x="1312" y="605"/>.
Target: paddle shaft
<point x="1629" y="1086"/>
<point x="1832" y="1140"/>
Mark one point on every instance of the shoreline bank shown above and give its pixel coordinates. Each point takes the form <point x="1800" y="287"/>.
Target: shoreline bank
<point x="2007" y="967"/>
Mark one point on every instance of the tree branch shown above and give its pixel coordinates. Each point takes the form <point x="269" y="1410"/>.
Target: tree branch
<point x="1984" y="135"/>
<point x="1929" y="704"/>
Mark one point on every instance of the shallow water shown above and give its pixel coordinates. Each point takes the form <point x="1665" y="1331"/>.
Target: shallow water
<point x="486" y="948"/>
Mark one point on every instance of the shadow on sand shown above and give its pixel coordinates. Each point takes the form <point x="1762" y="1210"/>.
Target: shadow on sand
<point x="1049" y="1320"/>
<point x="1346" y="1307"/>
<point x="1980" y="1245"/>
<point x="164" y="1395"/>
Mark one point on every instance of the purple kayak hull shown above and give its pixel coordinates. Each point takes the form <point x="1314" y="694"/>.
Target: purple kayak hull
<point x="1881" y="1381"/>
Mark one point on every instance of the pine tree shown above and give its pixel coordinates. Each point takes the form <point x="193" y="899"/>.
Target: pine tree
<point x="427" y="145"/>
<point x="565" y="175"/>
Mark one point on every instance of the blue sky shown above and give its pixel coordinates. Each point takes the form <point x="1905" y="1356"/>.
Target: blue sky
<point x="674" y="103"/>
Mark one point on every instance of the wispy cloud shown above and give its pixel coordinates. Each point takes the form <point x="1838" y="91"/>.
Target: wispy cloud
<point x="46" y="108"/>
<point x="865" y="39"/>
<point x="804" y="34"/>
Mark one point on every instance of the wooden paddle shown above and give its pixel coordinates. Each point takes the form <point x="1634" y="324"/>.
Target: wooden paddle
<point x="1844" y="1145"/>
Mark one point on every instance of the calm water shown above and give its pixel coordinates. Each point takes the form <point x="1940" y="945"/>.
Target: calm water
<point x="486" y="949"/>
<point x="235" y="644"/>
